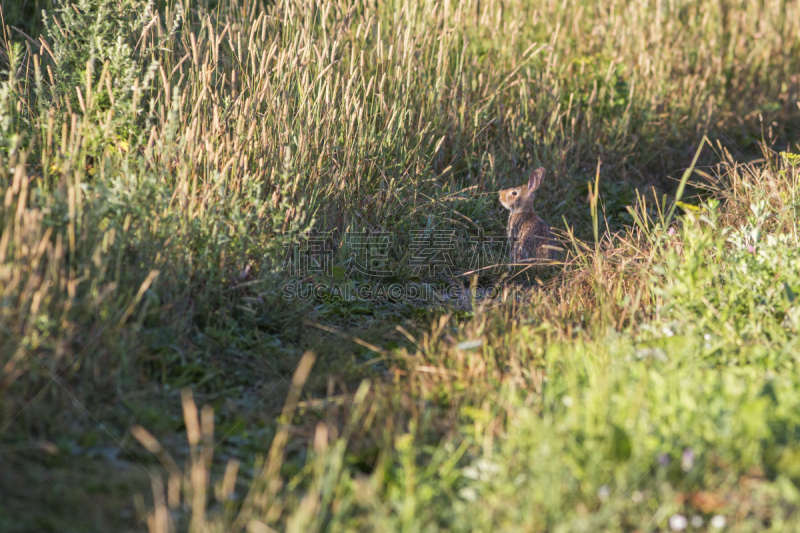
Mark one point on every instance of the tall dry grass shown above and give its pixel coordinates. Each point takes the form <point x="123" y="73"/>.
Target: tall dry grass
<point x="156" y="159"/>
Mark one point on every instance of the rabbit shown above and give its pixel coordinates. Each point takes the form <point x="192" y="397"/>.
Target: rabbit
<point x="529" y="236"/>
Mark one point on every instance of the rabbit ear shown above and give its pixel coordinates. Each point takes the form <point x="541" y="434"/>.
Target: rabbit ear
<point x="535" y="179"/>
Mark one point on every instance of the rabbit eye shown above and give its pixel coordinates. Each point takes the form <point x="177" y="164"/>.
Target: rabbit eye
<point x="514" y="193"/>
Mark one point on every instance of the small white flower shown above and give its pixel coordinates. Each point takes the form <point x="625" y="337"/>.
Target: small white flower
<point x="487" y="466"/>
<point x="603" y="493"/>
<point x="667" y="331"/>
<point x="707" y="336"/>
<point x="468" y="493"/>
<point x="678" y="522"/>
<point x="718" y="522"/>
<point x="470" y="472"/>
<point x="567" y="401"/>
<point x="687" y="459"/>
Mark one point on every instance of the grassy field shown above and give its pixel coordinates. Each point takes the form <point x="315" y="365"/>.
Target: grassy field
<point x="215" y="215"/>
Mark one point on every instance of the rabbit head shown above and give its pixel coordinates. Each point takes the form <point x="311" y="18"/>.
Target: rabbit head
<point x="520" y="199"/>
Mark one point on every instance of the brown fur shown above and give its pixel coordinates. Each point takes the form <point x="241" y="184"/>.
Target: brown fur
<point x="529" y="236"/>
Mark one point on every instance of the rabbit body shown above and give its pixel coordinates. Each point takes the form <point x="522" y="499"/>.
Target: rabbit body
<point x="529" y="236"/>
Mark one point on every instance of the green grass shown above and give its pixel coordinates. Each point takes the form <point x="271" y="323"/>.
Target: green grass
<point x="157" y="159"/>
